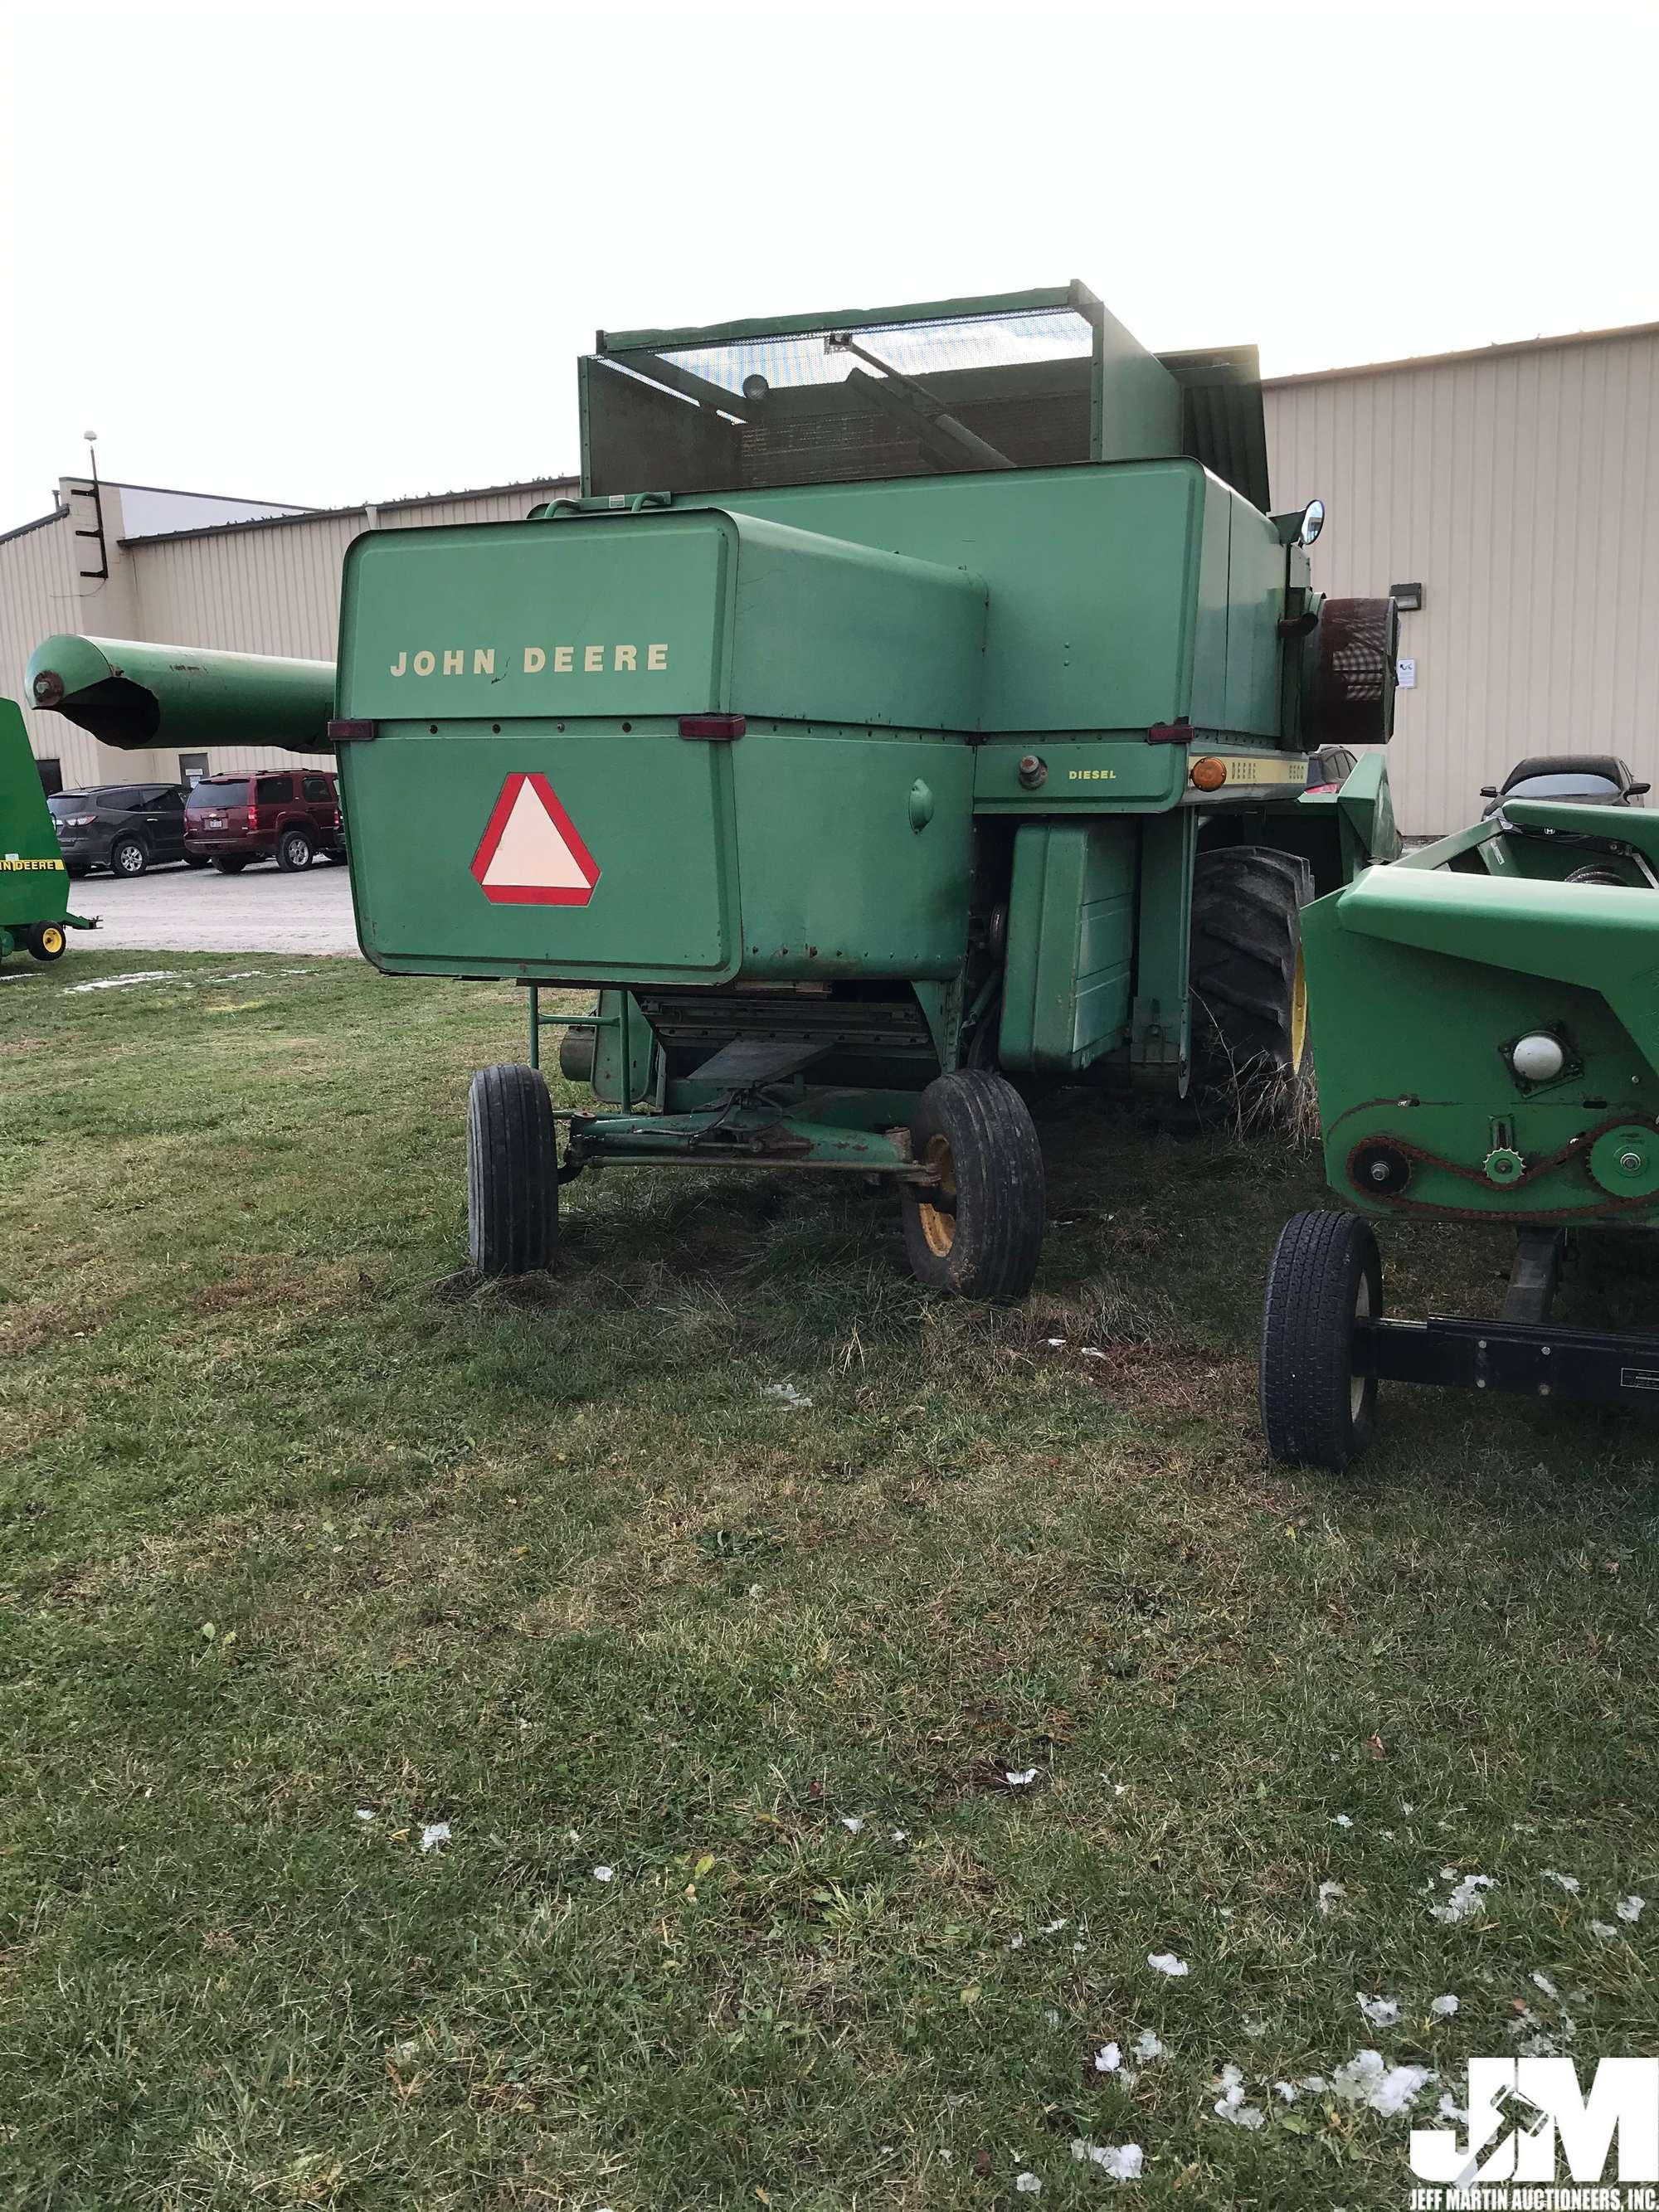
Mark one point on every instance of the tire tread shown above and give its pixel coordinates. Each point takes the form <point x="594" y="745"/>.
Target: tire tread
<point x="512" y="1171"/>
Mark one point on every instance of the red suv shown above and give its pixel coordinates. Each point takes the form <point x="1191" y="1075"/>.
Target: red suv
<point x="284" y="815"/>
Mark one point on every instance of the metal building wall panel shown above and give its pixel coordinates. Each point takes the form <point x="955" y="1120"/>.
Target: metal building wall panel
<point x="1522" y="489"/>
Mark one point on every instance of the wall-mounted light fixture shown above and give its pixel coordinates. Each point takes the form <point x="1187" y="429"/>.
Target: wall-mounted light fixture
<point x="1409" y="598"/>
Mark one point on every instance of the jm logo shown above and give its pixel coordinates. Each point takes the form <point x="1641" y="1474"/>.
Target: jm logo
<point x="1527" y="2114"/>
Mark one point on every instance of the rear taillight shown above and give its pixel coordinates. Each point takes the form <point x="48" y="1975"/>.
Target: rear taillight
<point x="77" y="821"/>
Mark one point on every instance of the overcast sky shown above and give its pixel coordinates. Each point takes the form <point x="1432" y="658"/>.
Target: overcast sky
<point x="331" y="254"/>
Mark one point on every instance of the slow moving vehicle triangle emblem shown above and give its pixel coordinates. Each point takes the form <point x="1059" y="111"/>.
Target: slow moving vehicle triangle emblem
<point x="532" y="853"/>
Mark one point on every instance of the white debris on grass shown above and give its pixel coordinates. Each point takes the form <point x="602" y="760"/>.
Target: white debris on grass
<point x="1231" y="2107"/>
<point x="1053" y="1926"/>
<point x="437" y="1833"/>
<point x="1443" y="2007"/>
<point x="1016" y="1942"/>
<point x="365" y="1812"/>
<point x="121" y="983"/>
<point x="793" y="1401"/>
<point x="604" y="1874"/>
<point x="1605" y="1929"/>
<point x="1343" y="1820"/>
<point x="1122" y="2161"/>
<point x="1147" y="2045"/>
<point x="1570" y="1882"/>
<point x="1629" y="1908"/>
<point x="1109" y="2058"/>
<point x="1450" y="2109"/>
<point x="1052" y="2016"/>
<point x="1381" y="2012"/>
<point x="1092" y="1352"/>
<point x="1166" y="1962"/>
<point x="1463" y="1899"/>
<point x="1543" y="1982"/>
<point x="1255" y="2029"/>
<point x="1328" y="1893"/>
<point x="1367" y="2080"/>
<point x="852" y="1822"/>
<point x="1019" y="1777"/>
<point x="1027" y="2184"/>
<point x="1286" y="2092"/>
<point x="900" y="1836"/>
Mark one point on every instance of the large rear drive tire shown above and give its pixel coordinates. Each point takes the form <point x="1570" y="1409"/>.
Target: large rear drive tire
<point x="984" y="1242"/>
<point x="512" y="1172"/>
<point x="1324" y="1277"/>
<point x="1249" y="1004"/>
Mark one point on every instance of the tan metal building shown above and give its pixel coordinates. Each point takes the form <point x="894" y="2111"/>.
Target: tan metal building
<point x="1517" y="486"/>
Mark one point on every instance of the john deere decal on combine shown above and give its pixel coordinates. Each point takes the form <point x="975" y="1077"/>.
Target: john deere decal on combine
<point x="916" y="703"/>
<point x="33" y="883"/>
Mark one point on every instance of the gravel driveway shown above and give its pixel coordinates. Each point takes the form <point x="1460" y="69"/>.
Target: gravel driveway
<point x="198" y="910"/>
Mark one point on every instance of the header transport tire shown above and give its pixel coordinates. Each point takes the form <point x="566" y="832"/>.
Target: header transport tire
<point x="1325" y="1275"/>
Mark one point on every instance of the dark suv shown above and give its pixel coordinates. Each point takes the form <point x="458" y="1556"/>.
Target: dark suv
<point x="284" y="815"/>
<point x="124" y="827"/>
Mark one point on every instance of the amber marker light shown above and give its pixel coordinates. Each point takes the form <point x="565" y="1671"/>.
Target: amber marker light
<point x="1208" y="774"/>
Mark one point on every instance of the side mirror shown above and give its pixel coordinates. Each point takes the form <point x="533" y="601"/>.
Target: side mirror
<point x="1638" y="790"/>
<point x="1489" y="791"/>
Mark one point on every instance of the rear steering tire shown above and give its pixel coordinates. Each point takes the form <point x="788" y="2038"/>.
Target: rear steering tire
<point x="512" y="1172"/>
<point x="293" y="852"/>
<point x="980" y="1234"/>
<point x="47" y="940"/>
<point x="1325" y="1276"/>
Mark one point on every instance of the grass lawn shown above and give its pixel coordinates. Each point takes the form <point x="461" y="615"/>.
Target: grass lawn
<point x="308" y="1548"/>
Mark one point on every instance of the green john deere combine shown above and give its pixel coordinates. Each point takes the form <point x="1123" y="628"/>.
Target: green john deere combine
<point x="35" y="912"/>
<point x="1488" y="1053"/>
<point x="915" y="705"/>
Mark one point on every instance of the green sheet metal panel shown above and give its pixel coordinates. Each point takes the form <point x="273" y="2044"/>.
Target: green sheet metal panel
<point x="1255" y="599"/>
<point x="1419" y="977"/>
<point x="1092" y="574"/>
<point x="545" y="619"/>
<point x="653" y="815"/>
<point x="662" y="612"/>
<point x="1070" y="945"/>
<point x="829" y="631"/>
<point x="1208" y="699"/>
<point x="857" y="856"/>
<point x="33" y="883"/>
<point x="1138" y="408"/>
<point x="1082" y="772"/>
